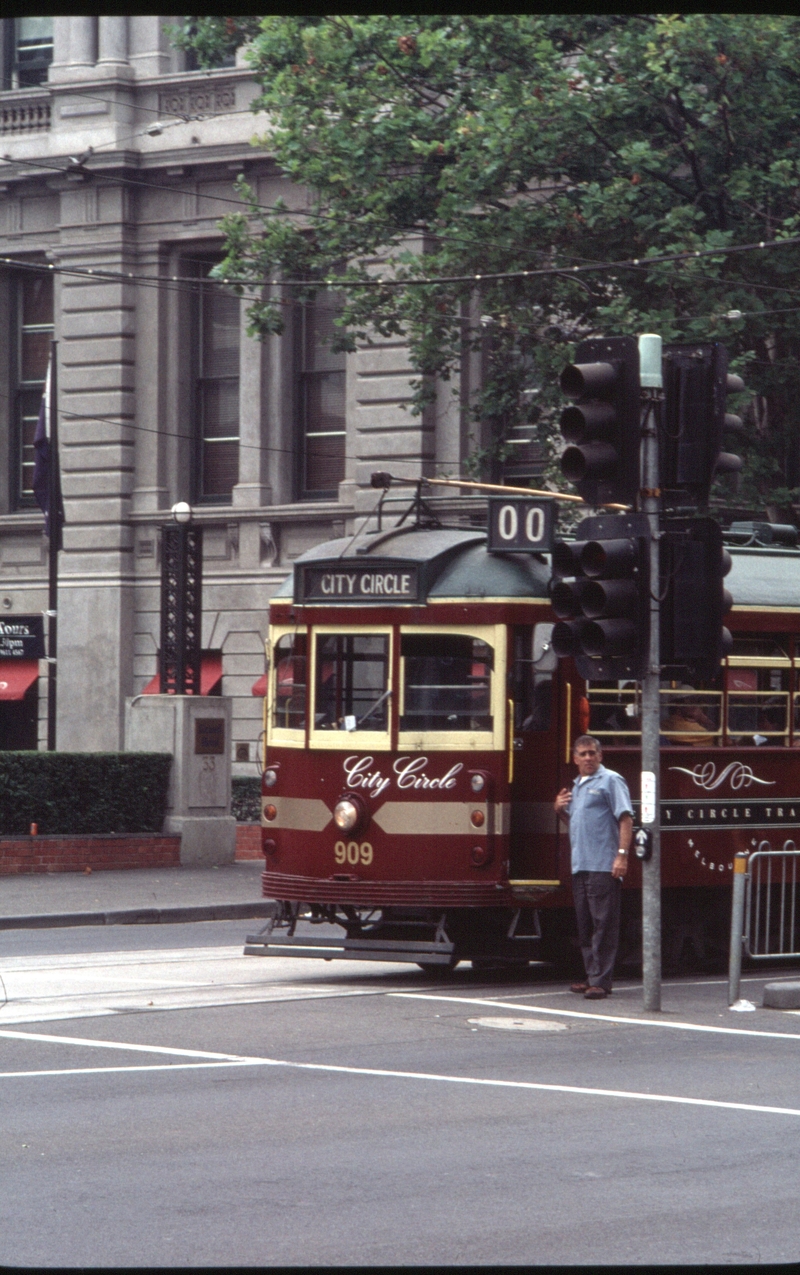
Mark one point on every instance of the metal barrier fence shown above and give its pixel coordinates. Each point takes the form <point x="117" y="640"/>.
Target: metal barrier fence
<point x="765" y="915"/>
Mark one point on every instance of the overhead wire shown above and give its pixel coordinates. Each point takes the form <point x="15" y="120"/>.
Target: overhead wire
<point x="338" y="282"/>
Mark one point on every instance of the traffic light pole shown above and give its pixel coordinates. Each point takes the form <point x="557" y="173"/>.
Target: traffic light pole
<point x="651" y="709"/>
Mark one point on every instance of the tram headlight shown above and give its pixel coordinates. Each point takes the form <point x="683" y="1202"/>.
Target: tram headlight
<point x="270" y="778"/>
<point x="346" y="814"/>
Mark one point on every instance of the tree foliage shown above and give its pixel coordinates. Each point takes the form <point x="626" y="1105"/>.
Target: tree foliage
<point x="448" y="146"/>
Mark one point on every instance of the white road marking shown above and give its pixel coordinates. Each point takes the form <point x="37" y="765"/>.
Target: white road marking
<point x="88" y="1043"/>
<point x="385" y="1073"/>
<point x="519" y="1024"/>
<point x="595" y="1018"/>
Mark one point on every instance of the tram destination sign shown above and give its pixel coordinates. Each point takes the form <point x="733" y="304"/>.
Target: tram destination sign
<point x="521" y="524"/>
<point x="349" y="581"/>
<point x="22" y="637"/>
<point x="706" y="816"/>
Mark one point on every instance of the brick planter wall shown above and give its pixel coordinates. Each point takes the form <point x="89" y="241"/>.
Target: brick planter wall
<point x="98" y="851"/>
<point x="248" y="841"/>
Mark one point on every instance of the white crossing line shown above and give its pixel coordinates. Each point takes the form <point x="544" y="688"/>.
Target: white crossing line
<point x="385" y="1073"/>
<point x="596" y="1018"/>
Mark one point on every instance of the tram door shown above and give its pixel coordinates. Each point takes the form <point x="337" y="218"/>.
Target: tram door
<point x="537" y="744"/>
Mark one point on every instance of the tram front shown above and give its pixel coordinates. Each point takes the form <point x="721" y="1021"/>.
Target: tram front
<point x="389" y="774"/>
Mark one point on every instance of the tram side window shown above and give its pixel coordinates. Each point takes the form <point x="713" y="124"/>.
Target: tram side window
<point x="758" y="681"/>
<point x="289" y="698"/>
<point x="447" y="680"/>
<point x="532" y="677"/>
<point x="351" y="682"/>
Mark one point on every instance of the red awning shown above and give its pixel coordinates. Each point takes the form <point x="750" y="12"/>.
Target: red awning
<point x="16" y="676"/>
<point x="210" y="676"/>
<point x="259" y="687"/>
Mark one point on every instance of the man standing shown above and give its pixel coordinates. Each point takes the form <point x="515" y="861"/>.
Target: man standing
<point x="600" y="817"/>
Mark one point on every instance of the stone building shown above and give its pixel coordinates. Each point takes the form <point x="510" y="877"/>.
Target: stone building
<point x="120" y="159"/>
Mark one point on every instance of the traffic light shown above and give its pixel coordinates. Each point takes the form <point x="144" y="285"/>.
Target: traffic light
<point x="600" y="593"/>
<point x="602" y="428"/>
<point x="694" y="563"/>
<point x="696" y="381"/>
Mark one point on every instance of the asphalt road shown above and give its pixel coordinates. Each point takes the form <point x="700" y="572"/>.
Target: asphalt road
<point x="171" y="1102"/>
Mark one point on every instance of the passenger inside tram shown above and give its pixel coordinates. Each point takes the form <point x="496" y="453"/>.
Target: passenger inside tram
<point x="686" y="720"/>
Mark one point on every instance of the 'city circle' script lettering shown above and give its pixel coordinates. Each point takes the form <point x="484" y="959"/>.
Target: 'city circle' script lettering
<point x="409" y="772"/>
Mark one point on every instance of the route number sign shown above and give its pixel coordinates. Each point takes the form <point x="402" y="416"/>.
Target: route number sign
<point x="519" y="524"/>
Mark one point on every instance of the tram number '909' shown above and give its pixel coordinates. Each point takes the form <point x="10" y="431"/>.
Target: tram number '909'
<point x="353" y="853"/>
<point x="520" y="525"/>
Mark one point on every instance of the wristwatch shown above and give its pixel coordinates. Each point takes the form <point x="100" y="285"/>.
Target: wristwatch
<point x="621" y="851"/>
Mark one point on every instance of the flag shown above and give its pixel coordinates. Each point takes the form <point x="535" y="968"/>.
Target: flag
<point x="41" y="465"/>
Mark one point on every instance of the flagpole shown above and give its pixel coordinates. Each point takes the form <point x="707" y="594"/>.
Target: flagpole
<point x="54" y="523"/>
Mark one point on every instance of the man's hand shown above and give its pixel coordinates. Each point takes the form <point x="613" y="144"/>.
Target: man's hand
<point x="561" y="803"/>
<point x="620" y="866"/>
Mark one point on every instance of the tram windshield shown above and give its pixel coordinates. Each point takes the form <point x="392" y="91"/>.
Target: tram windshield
<point x="447" y="682"/>
<point x="351" y="682"/>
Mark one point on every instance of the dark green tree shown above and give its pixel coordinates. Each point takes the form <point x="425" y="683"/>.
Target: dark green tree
<point x="452" y="146"/>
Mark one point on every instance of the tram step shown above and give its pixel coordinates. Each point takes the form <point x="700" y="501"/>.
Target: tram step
<point x="350" y="949"/>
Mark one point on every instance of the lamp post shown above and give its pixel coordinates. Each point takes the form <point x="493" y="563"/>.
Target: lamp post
<point x="181" y="603"/>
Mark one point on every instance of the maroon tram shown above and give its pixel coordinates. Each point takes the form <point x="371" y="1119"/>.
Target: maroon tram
<point x="419" y="725"/>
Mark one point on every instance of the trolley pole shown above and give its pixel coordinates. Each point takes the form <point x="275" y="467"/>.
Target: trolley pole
<point x="652" y="393"/>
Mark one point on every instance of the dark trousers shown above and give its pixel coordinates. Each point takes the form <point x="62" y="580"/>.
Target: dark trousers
<point x="597" y="905"/>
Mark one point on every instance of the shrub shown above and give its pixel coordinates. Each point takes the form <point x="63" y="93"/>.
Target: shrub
<point x="75" y="793"/>
<point x="246" y="798"/>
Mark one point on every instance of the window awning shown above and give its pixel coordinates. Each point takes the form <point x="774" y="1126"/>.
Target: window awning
<point x="259" y="687"/>
<point x="16" y="676"/>
<point x="210" y="676"/>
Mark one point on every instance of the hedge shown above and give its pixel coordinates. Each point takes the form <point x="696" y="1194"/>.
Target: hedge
<point x="246" y="798"/>
<point x="73" y="793"/>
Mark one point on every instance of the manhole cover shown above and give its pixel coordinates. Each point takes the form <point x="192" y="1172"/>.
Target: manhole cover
<point x="519" y="1024"/>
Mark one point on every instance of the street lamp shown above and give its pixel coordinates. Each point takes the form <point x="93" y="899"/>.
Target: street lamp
<point x="182" y="512"/>
<point x="181" y="603"/>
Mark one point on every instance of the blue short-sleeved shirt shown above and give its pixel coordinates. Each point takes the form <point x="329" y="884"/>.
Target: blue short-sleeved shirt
<point x="598" y="803"/>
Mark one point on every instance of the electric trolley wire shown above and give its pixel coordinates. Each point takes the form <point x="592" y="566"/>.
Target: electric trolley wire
<point x="636" y="263"/>
<point x="334" y="282"/>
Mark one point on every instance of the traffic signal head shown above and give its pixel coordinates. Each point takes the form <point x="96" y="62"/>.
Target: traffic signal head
<point x="694" y="563"/>
<point x="602" y="428"/>
<point x="600" y="594"/>
<point x="696" y="381"/>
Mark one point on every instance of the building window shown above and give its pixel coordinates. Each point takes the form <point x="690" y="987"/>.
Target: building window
<point x="216" y="338"/>
<point x="321" y="393"/>
<point x="27" y="51"/>
<point x="33" y="325"/>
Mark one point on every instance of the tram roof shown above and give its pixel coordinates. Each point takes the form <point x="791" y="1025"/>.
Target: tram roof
<point x="458" y="565"/>
<point x="456" y="562"/>
<point x="765" y="577"/>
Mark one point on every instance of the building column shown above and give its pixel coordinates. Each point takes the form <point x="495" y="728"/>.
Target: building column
<point x="113" y="40"/>
<point x="97" y="407"/>
<point x="82" y="41"/>
<point x="74" y="49"/>
<point x="252" y="489"/>
<point x="151" y="492"/>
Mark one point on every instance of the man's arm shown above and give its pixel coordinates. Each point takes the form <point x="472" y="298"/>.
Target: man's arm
<point x="620" y="866"/>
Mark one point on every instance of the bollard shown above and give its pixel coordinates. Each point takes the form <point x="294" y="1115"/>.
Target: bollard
<point x="737" y="927"/>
